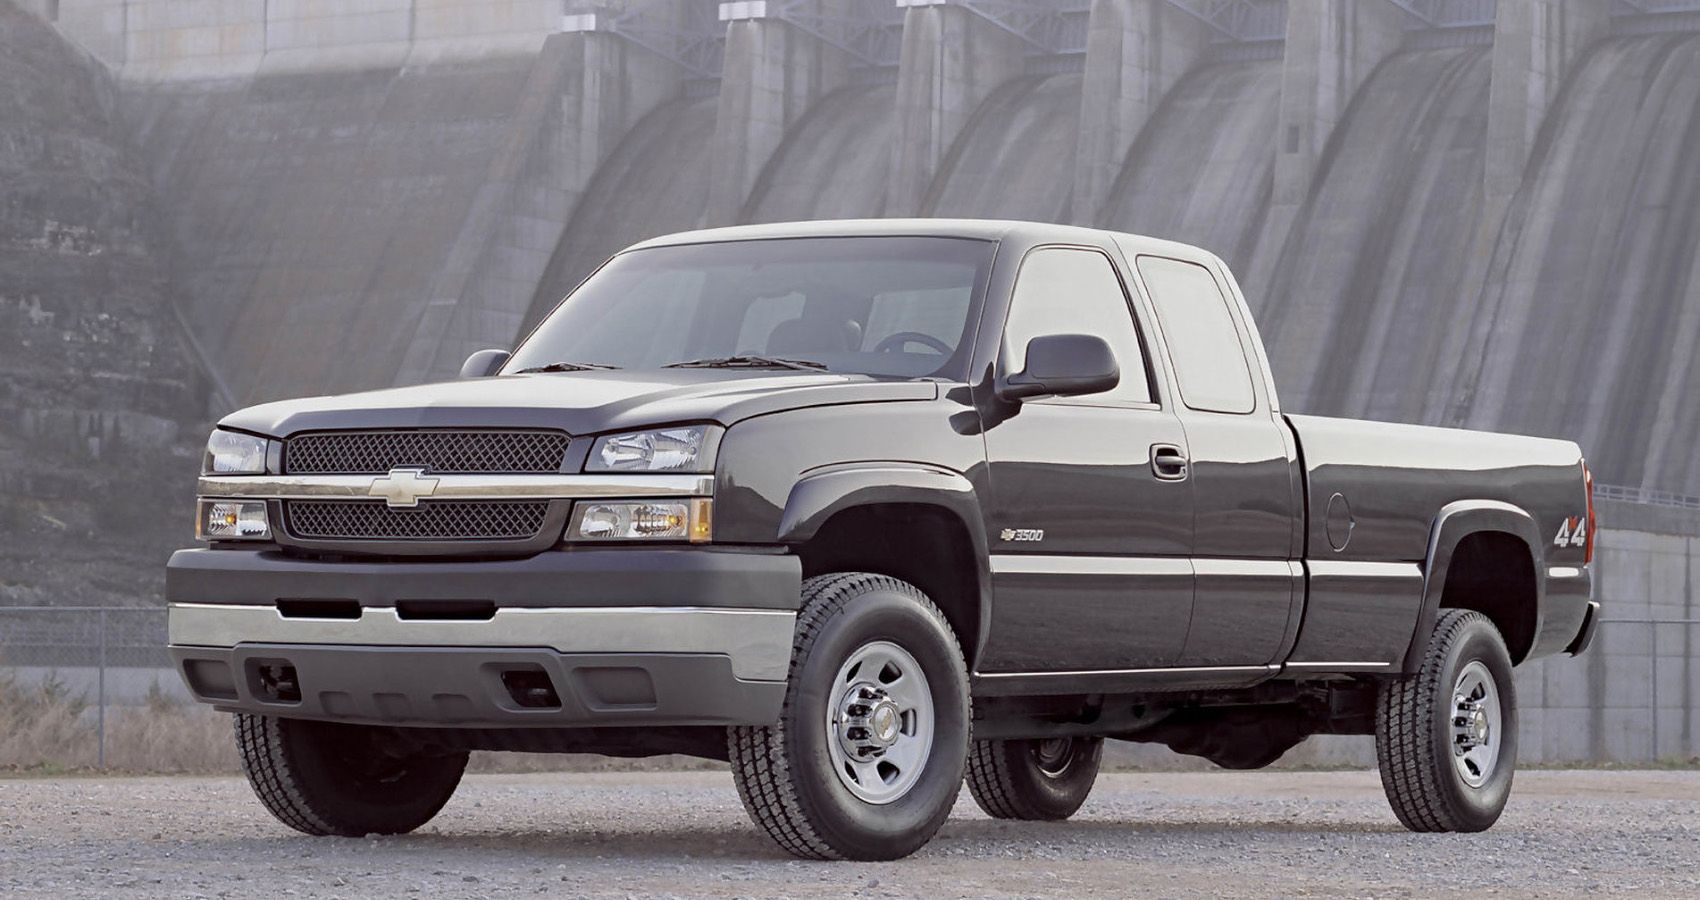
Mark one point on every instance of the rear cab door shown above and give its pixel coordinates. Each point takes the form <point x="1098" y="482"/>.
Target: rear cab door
<point x="1247" y="488"/>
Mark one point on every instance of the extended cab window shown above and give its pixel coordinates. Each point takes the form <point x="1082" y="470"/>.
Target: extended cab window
<point x="1062" y="290"/>
<point x="1209" y="360"/>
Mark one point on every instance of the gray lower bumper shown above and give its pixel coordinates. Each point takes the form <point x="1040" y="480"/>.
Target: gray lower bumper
<point x="473" y="687"/>
<point x="757" y="642"/>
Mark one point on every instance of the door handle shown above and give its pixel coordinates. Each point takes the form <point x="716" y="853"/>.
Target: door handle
<point x="1168" y="462"/>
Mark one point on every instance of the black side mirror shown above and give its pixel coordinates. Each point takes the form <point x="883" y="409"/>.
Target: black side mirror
<point x="1063" y="365"/>
<point x="484" y="362"/>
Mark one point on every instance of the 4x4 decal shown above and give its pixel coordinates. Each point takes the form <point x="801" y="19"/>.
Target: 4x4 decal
<point x="1573" y="533"/>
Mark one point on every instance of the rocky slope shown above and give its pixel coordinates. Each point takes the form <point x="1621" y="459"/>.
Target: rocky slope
<point x="100" y="404"/>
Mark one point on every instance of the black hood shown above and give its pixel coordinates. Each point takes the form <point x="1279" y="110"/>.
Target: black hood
<point x="578" y="402"/>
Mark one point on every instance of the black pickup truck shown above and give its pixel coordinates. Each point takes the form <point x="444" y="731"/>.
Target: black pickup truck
<point x="868" y="509"/>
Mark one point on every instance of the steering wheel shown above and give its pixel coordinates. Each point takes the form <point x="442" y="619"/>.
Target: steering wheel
<point x="899" y="340"/>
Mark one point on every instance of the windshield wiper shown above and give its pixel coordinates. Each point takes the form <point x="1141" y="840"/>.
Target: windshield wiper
<point x="749" y="362"/>
<point x="566" y="367"/>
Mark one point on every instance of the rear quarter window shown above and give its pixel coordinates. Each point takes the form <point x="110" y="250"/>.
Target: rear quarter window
<point x="1210" y="364"/>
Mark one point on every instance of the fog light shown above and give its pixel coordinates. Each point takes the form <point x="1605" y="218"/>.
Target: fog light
<point x="663" y="520"/>
<point x="233" y="520"/>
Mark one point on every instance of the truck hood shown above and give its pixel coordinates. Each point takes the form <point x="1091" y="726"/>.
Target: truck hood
<point x="579" y="402"/>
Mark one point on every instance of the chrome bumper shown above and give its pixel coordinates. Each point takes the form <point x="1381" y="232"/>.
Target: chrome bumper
<point x="757" y="641"/>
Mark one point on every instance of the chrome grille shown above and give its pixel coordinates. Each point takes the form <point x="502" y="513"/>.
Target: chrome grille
<point x="447" y="452"/>
<point x="443" y="520"/>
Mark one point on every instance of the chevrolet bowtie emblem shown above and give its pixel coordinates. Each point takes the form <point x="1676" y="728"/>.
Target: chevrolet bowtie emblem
<point x="403" y="487"/>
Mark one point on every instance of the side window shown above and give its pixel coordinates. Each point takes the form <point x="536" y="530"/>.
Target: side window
<point x="1209" y="360"/>
<point x="1066" y="291"/>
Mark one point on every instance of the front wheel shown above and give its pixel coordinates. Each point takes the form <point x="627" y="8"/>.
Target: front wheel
<point x="324" y="778"/>
<point x="1044" y="780"/>
<point x="1446" y="739"/>
<point x="866" y="759"/>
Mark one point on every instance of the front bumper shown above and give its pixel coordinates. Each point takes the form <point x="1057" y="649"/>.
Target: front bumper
<point x="646" y="576"/>
<point x="618" y="637"/>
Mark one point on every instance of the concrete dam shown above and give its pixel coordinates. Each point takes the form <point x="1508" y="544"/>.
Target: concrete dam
<point x="1467" y="213"/>
<point x="1478" y="213"/>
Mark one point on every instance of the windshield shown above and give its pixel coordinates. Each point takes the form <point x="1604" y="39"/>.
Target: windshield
<point x="894" y="306"/>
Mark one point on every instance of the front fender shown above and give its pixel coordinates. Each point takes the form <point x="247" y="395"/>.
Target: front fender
<point x="1454" y="522"/>
<point x="822" y="493"/>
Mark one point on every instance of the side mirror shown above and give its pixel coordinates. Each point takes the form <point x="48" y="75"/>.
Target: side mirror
<point x="1063" y="365"/>
<point x="484" y="362"/>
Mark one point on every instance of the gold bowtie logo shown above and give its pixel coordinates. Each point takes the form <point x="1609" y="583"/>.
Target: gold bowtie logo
<point x="403" y="487"/>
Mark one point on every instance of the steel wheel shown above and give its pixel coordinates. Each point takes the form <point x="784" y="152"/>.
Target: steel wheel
<point x="880" y="722"/>
<point x="1477" y="724"/>
<point x="1036" y="779"/>
<point x="1054" y="756"/>
<point x="866" y="759"/>
<point x="1446" y="736"/>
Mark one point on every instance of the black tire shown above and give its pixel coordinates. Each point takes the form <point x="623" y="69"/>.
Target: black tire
<point x="1035" y="780"/>
<point x="1416" y="731"/>
<point x="322" y="778"/>
<point x="785" y="772"/>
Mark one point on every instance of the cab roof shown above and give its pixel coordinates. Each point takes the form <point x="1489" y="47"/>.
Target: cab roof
<point x="976" y="229"/>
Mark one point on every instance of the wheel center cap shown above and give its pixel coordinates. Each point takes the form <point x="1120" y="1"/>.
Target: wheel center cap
<point x="1479" y="726"/>
<point x="884" y="722"/>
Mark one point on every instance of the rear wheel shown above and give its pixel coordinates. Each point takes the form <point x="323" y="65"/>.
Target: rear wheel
<point x="1033" y="779"/>
<point x="866" y="759"/>
<point x="323" y="778"/>
<point x="1446" y="739"/>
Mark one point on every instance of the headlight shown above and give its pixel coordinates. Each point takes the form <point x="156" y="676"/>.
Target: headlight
<point x="638" y="520"/>
<point x="688" y="448"/>
<point x="230" y="453"/>
<point x="232" y="520"/>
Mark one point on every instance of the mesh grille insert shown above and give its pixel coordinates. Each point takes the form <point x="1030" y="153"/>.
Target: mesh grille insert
<point x="444" y="520"/>
<point x="377" y="452"/>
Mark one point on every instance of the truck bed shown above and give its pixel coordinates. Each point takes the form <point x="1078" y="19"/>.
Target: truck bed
<point x="1376" y="494"/>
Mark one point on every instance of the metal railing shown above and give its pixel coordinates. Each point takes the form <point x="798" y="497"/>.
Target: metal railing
<point x="1646" y="496"/>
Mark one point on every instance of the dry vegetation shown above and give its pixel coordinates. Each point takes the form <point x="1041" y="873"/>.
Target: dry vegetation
<point x="46" y="728"/>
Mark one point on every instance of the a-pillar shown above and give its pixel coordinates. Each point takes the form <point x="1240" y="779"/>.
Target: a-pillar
<point x="773" y="72"/>
<point x="1135" y="52"/>
<point x="952" y="59"/>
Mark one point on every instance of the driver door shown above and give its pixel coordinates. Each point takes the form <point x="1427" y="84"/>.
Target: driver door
<point x="1090" y="520"/>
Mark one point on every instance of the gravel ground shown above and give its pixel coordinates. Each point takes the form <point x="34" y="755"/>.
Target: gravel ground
<point x="684" y="834"/>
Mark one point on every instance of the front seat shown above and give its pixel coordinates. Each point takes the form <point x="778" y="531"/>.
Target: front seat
<point x="814" y="334"/>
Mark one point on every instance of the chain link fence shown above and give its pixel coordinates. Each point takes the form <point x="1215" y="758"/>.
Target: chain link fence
<point x="68" y="674"/>
<point x="1653" y="666"/>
